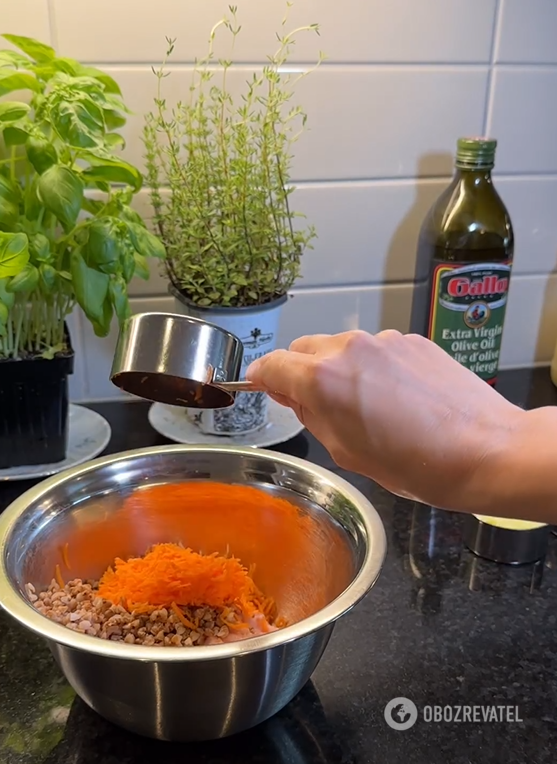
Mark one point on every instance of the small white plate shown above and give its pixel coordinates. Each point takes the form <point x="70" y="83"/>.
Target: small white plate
<point x="88" y="436"/>
<point x="173" y="423"/>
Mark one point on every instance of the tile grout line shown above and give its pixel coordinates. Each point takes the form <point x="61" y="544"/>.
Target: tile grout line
<point x="331" y="66"/>
<point x="489" y="96"/>
<point x="398" y="180"/>
<point x="353" y="287"/>
<point x="52" y="24"/>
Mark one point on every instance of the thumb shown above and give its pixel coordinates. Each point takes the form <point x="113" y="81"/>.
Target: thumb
<point x="284" y="373"/>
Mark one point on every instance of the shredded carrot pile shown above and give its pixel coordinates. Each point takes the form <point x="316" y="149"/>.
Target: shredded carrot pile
<point x="170" y="575"/>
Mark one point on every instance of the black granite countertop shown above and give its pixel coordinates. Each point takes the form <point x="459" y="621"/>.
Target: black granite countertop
<point x="440" y="628"/>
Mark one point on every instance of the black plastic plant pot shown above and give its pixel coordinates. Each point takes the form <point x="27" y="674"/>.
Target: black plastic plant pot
<point x="34" y="410"/>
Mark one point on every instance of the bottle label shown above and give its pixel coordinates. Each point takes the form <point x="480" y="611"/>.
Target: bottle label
<point x="467" y="312"/>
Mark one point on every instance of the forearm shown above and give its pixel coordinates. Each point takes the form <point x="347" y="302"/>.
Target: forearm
<point x="519" y="479"/>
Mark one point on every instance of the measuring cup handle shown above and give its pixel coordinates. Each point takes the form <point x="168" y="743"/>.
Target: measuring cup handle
<point x="243" y="386"/>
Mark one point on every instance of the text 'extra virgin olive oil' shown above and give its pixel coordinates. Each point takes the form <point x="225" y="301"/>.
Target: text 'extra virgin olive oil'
<point x="465" y="253"/>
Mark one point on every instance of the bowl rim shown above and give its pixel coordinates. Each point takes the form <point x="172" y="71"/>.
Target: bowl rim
<point x="12" y="601"/>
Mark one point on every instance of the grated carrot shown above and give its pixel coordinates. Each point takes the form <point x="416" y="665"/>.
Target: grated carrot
<point x="268" y="607"/>
<point x="65" y="557"/>
<point x="137" y="609"/>
<point x="236" y="625"/>
<point x="171" y="573"/>
<point x="58" y="577"/>
<point x="179" y="614"/>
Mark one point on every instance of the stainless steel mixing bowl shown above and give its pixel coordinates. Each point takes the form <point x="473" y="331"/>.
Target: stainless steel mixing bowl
<point x="195" y="693"/>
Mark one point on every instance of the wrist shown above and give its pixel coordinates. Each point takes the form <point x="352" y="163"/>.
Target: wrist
<point x="517" y="477"/>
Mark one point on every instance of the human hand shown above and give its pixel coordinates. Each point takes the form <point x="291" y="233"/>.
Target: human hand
<point x="396" y="408"/>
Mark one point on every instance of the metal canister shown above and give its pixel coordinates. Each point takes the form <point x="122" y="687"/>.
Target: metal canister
<point x="505" y="540"/>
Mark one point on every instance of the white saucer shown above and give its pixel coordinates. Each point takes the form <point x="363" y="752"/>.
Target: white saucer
<point x="88" y="435"/>
<point x="173" y="423"/>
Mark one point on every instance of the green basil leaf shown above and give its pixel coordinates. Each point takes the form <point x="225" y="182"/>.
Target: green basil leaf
<point x="128" y="266"/>
<point x="141" y="267"/>
<point x="25" y="281"/>
<point x="12" y="111"/>
<point x="117" y="104"/>
<point x="39" y="247"/>
<point x="32" y="204"/>
<point x="146" y="243"/>
<point x="9" y="215"/>
<point x="102" y="186"/>
<point x="94" y="206"/>
<point x="41" y="153"/>
<point x="110" y="85"/>
<point x="10" y="81"/>
<point x="38" y="51"/>
<point x="15" y="59"/>
<point x="113" y="172"/>
<point x="47" y="278"/>
<point x="65" y="65"/>
<point x="9" y="189"/>
<point x="113" y="119"/>
<point x="60" y="71"/>
<point x="14" y="253"/>
<point x="6" y="297"/>
<point x="118" y="291"/>
<point x="102" y="327"/>
<point x="115" y="141"/>
<point x="61" y="192"/>
<point x="78" y="122"/>
<point x="9" y="204"/>
<point x="90" y="285"/>
<point x="104" y="246"/>
<point x="15" y="135"/>
<point x="130" y="215"/>
<point x="78" y="85"/>
<point x="44" y="72"/>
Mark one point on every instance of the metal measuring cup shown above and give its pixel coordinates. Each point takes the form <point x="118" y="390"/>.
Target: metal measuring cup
<point x="179" y="360"/>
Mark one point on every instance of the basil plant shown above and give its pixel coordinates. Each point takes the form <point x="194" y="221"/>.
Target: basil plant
<point x="67" y="232"/>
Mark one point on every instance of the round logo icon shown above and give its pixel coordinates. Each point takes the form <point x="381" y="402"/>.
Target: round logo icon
<point x="401" y="713"/>
<point x="477" y="315"/>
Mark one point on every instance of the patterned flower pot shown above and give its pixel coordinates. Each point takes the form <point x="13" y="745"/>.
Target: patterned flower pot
<point x="257" y="328"/>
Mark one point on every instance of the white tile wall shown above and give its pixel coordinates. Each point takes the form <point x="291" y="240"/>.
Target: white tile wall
<point x="359" y="32"/>
<point x="523" y="116"/>
<point x="528" y="32"/>
<point x="403" y="80"/>
<point x="25" y="17"/>
<point x="363" y="121"/>
<point x="531" y="202"/>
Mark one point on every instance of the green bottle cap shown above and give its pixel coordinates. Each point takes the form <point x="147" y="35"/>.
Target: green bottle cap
<point x="475" y="153"/>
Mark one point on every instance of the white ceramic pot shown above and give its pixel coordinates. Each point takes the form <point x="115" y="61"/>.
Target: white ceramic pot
<point x="257" y="329"/>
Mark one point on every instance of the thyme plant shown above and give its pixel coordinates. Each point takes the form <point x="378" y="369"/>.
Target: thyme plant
<point x="226" y="219"/>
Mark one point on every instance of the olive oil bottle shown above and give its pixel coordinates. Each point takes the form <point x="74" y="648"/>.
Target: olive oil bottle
<point x="465" y="253"/>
